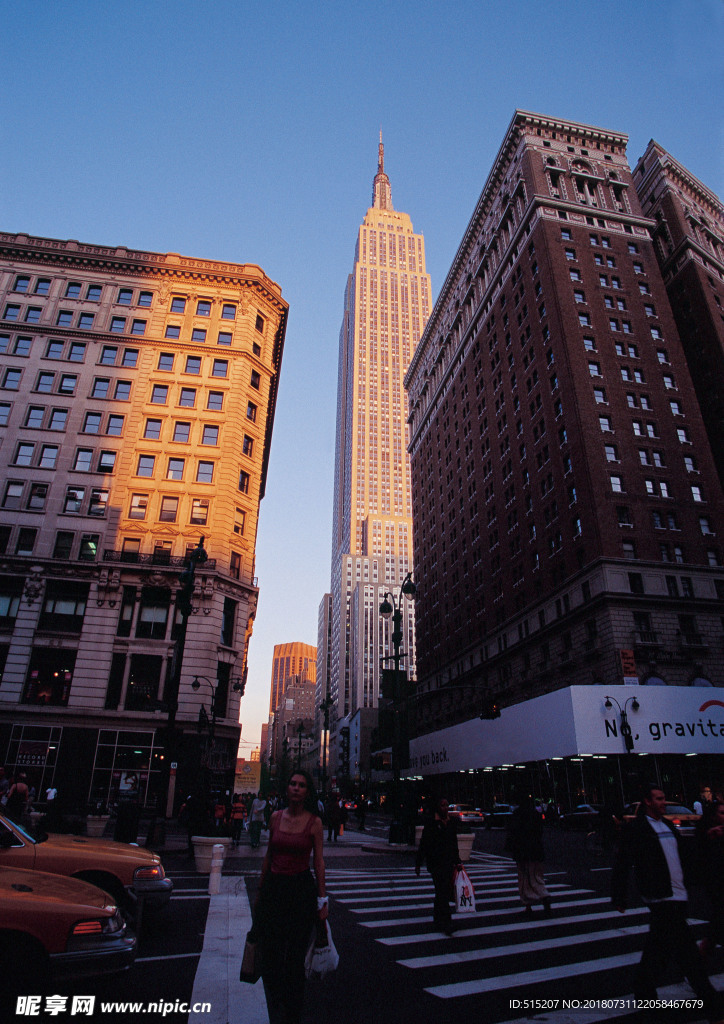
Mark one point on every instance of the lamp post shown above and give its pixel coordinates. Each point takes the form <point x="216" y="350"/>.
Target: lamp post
<point x="391" y="608"/>
<point x="625" y="727"/>
<point x="324" y="707"/>
<point x="183" y="604"/>
<point x="300" y="737"/>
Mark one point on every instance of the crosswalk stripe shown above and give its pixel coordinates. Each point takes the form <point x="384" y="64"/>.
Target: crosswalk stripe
<point x="417" y="890"/>
<point x="511" y="981"/>
<point x="517" y="926"/>
<point x="499" y="952"/>
<point x="511" y="899"/>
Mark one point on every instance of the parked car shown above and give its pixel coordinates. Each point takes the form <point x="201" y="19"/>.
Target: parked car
<point x="498" y="816"/>
<point x="681" y="817"/>
<point x="123" y="870"/>
<point x="466" y="813"/>
<point x="53" y="927"/>
<point x="584" y="817"/>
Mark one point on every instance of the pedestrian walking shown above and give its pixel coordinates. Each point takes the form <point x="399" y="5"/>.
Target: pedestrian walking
<point x="710" y="844"/>
<point x="289" y="903"/>
<point x="333" y="817"/>
<point x="18" y="796"/>
<point x="256" y="819"/>
<point x="439" y="850"/>
<point x="238" y="813"/>
<point x="524" y="843"/>
<point x="651" y="846"/>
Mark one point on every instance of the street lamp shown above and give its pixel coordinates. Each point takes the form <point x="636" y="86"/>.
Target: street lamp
<point x="391" y="608"/>
<point x="183" y="604"/>
<point x="300" y="737"/>
<point x="203" y="717"/>
<point x="625" y="727"/>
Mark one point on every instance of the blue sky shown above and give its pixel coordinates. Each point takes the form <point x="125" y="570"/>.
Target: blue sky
<point x="248" y="132"/>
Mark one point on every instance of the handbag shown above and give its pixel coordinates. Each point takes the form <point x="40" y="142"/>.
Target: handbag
<point x="322" y="958"/>
<point x="251" y="960"/>
<point x="464" y="893"/>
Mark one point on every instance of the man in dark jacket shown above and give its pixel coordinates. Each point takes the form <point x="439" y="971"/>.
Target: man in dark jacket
<point x="651" y="845"/>
<point x="439" y="849"/>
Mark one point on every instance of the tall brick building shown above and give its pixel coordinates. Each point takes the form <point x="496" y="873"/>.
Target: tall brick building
<point x="567" y="511"/>
<point x="137" y="400"/>
<point x="689" y="244"/>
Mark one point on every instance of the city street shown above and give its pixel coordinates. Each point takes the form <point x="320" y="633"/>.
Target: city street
<point x="394" y="966"/>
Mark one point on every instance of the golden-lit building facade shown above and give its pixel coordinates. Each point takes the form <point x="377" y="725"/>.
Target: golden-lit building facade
<point x="137" y="400"/>
<point x="387" y="304"/>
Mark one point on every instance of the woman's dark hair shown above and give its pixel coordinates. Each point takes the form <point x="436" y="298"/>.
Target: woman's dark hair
<point x="310" y="803"/>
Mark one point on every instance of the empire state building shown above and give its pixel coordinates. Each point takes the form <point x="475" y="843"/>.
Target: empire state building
<point x="386" y="306"/>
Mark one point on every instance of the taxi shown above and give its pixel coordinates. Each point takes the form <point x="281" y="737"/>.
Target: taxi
<point x="127" y="872"/>
<point x="53" y="927"/>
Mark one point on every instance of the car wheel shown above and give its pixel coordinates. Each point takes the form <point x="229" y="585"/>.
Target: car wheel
<point x="109" y="884"/>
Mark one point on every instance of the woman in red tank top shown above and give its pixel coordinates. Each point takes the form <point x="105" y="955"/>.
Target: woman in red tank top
<point x="289" y="904"/>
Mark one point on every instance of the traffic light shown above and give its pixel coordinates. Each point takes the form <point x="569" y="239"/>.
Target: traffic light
<point x="490" y="709"/>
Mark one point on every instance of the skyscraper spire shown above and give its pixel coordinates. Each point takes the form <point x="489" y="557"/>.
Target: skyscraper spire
<point x="381" y="191"/>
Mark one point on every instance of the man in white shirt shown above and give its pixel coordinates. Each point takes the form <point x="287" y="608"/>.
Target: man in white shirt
<point x="651" y="845"/>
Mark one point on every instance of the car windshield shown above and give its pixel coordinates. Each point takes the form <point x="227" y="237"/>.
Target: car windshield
<point x="677" y="809"/>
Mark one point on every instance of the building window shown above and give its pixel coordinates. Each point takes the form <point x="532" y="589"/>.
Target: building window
<point x="159" y="394"/>
<point x="220" y="368"/>
<point x="198" y="334"/>
<point x="169" y="509"/>
<point x="98" y="502"/>
<point x="244" y="480"/>
<point x="193" y="364"/>
<point x="152" y="429"/>
<point x="165" y="361"/>
<point x="199" y="511"/>
<point x="83" y="460"/>
<point x="181" y="432"/>
<point x="138" y="327"/>
<point x="85" y="321"/>
<point x="37" y="497"/>
<point x="107" y="461"/>
<point x="215" y="401"/>
<point x="26" y="541"/>
<point x="255" y="380"/>
<point x="203" y="307"/>
<point x="130" y="549"/>
<point x="235" y="565"/>
<point x="251" y="412"/>
<point x="125" y="297"/>
<point x="143" y="682"/>
<point x="205" y="473"/>
<point x="11" y="380"/>
<point x="173" y="331"/>
<point x="145" y="298"/>
<point x="76" y="353"/>
<point x="123" y="391"/>
<point x="617" y="484"/>
<point x="24" y="454"/>
<point x="73" y="500"/>
<point x="228" y="311"/>
<point x="248" y="445"/>
<point x="153" y="613"/>
<point x="239" y="521"/>
<point x="101" y="386"/>
<point x="178" y="305"/>
<point x="224" y="338"/>
<point x="175" y="469"/>
<point x="115" y="426"/>
<point x="130" y="357"/>
<point x="63" y="544"/>
<point x="118" y="324"/>
<point x="210" y="435"/>
<point x="259" y="325"/>
<point x="88" y="550"/>
<point x="696" y="494"/>
<point x="146" y="465"/>
<point x="139" y="506"/>
<point x="187" y="398"/>
<point x="48" y="456"/>
<point x="611" y="453"/>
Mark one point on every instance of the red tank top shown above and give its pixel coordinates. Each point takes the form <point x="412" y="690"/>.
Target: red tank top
<point x="289" y="850"/>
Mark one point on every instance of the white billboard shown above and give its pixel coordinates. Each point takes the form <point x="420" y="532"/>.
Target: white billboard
<point x="575" y="721"/>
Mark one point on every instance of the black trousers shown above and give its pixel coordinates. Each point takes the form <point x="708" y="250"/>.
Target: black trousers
<point x="442" y="878"/>
<point x="669" y="935"/>
<point x="285" y="919"/>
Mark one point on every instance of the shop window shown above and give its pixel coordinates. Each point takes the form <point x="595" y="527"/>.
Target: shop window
<point x="143" y="682"/>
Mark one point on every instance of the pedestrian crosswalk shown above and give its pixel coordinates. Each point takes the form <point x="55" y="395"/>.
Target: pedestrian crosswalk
<point x="580" y="951"/>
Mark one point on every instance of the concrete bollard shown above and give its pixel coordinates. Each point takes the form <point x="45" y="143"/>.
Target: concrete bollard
<point x="217" y="859"/>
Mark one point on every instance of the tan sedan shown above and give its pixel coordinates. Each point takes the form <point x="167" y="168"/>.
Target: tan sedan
<point x="123" y="870"/>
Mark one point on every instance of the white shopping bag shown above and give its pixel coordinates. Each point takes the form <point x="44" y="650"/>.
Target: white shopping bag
<point x="464" y="893"/>
<point x="322" y="957"/>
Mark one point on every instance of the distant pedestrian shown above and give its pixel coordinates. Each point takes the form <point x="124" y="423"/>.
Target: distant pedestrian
<point x="18" y="796"/>
<point x="439" y="850"/>
<point x="333" y="817"/>
<point x="238" y="813"/>
<point x="362" y="812"/>
<point x="289" y="904"/>
<point x="256" y="820"/>
<point x="710" y="843"/>
<point x="651" y="845"/>
<point x="524" y="843"/>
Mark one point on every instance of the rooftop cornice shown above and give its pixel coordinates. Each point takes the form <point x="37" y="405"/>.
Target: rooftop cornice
<point x="669" y="164"/>
<point x="135" y="261"/>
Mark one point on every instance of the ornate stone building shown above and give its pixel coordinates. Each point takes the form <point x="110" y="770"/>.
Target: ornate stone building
<point x="137" y="400"/>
